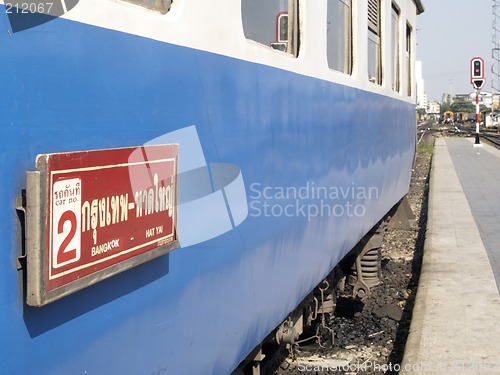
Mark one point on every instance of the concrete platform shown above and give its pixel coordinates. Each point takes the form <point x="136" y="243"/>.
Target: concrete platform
<point x="455" y="327"/>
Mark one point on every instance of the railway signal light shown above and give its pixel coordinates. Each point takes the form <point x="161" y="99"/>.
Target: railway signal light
<point x="478" y="83"/>
<point x="477" y="73"/>
<point x="477" y="80"/>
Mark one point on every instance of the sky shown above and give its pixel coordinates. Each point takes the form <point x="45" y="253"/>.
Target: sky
<point x="449" y="34"/>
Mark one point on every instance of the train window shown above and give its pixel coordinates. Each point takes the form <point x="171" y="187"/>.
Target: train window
<point x="408" y="58"/>
<point x="339" y="35"/>
<point x="162" y="6"/>
<point x="395" y="49"/>
<point x="274" y="23"/>
<point x="374" y="42"/>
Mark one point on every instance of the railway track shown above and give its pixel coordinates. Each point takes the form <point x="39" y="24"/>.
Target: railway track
<point x="491" y="137"/>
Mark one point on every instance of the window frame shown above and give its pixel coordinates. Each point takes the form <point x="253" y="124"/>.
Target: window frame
<point x="375" y="38"/>
<point x="347" y="65"/>
<point x="396" y="47"/>
<point x="408" y="58"/>
<point x="250" y="23"/>
<point x="162" y="6"/>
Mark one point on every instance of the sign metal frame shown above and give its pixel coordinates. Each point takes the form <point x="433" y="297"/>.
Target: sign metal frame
<point x="118" y="210"/>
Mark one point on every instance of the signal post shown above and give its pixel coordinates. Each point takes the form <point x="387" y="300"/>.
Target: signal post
<point x="477" y="80"/>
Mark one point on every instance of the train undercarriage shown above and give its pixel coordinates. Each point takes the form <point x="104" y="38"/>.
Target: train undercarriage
<point x="360" y="269"/>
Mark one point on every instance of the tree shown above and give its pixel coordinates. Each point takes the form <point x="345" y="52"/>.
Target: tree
<point x="463" y="106"/>
<point x="421" y="112"/>
<point x="445" y="107"/>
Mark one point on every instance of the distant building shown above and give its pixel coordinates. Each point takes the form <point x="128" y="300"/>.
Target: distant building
<point x="496" y="101"/>
<point x="433" y="108"/>
<point x="462" y="97"/>
<point x="421" y="97"/>
<point x="485" y="98"/>
<point x="446" y="98"/>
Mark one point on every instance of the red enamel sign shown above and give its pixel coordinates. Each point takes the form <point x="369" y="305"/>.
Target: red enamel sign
<point x="105" y="211"/>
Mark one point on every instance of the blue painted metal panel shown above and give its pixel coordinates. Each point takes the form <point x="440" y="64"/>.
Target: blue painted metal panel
<point x="200" y="309"/>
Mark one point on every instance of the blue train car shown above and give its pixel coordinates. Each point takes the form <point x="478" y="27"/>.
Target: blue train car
<point x="295" y="122"/>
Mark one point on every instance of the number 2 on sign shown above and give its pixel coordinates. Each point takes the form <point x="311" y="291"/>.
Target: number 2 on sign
<point x="66" y="226"/>
<point x="65" y="255"/>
